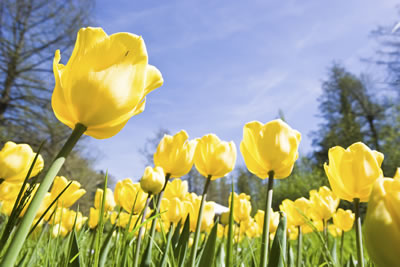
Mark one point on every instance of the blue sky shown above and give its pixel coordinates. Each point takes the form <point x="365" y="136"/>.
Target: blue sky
<point x="226" y="63"/>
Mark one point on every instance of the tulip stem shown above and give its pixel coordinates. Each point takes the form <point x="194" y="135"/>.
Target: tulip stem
<point x="141" y="230"/>
<point x="198" y="225"/>
<point x="341" y="248"/>
<point x="147" y="255"/>
<point x="299" y="246"/>
<point x="267" y="214"/>
<point x="23" y="229"/>
<point x="358" y="233"/>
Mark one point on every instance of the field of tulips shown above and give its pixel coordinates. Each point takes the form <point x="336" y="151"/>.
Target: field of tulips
<point x="157" y="222"/>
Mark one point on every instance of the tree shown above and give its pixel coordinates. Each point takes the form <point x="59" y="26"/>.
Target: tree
<point x="350" y="114"/>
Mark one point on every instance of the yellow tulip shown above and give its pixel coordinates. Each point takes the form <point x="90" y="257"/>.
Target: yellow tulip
<point x="109" y="203"/>
<point x="334" y="230"/>
<point x="344" y="219"/>
<point x="353" y="171"/>
<point x="251" y="228"/>
<point x="175" y="154"/>
<point x="224" y="218"/>
<point x="64" y="221"/>
<point x="307" y="228"/>
<point x="176" y="188"/>
<point x="123" y="219"/>
<point x="15" y="161"/>
<point x="295" y="210"/>
<point x="323" y="203"/>
<point x="152" y="180"/>
<point x="70" y="196"/>
<point x="93" y="218"/>
<point x="293" y="232"/>
<point x="174" y="210"/>
<point x="273" y="220"/>
<point x="208" y="213"/>
<point x="214" y="157"/>
<point x="270" y="147"/>
<point x="382" y="223"/>
<point x="220" y="231"/>
<point x="104" y="83"/>
<point x="242" y="207"/>
<point x="127" y="194"/>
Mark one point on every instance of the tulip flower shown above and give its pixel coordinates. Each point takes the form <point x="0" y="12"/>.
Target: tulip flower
<point x="344" y="219"/>
<point x="174" y="210"/>
<point x="152" y="180"/>
<point x="242" y="207"/>
<point x="175" y="154"/>
<point x="70" y="196"/>
<point x="176" y="188"/>
<point x="323" y="203"/>
<point x="109" y="203"/>
<point x="251" y="228"/>
<point x="334" y="230"/>
<point x="65" y="220"/>
<point x="115" y="87"/>
<point x="270" y="147"/>
<point x="214" y="158"/>
<point x="295" y="210"/>
<point x="269" y="150"/>
<point x="129" y="196"/>
<point x="353" y="171"/>
<point x="273" y="220"/>
<point x="15" y="161"/>
<point x="382" y="223"/>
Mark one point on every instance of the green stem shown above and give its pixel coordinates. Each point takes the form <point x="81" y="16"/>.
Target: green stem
<point x="22" y="231"/>
<point x="299" y="246"/>
<point x="141" y="230"/>
<point x="198" y="225"/>
<point x="358" y="233"/>
<point x="341" y="248"/>
<point x="267" y="214"/>
<point x="147" y="256"/>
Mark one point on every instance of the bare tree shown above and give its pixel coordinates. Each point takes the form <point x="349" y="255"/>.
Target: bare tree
<point x="30" y="32"/>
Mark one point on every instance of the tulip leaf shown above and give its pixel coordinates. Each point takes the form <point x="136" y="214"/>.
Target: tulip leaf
<point x="207" y="258"/>
<point x="167" y="246"/>
<point x="229" y="248"/>
<point x="181" y="249"/>
<point x="277" y="256"/>
<point x="175" y="237"/>
<point x="106" y="247"/>
<point x="334" y="252"/>
<point x="74" y="260"/>
<point x="100" y="226"/>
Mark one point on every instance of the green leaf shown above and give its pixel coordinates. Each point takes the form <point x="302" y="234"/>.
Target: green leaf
<point x="334" y="252"/>
<point x="277" y="256"/>
<point x="166" y="248"/>
<point x="229" y="248"/>
<point x="74" y="259"/>
<point x="181" y="249"/>
<point x="207" y="258"/>
<point x="106" y="247"/>
<point x="100" y="226"/>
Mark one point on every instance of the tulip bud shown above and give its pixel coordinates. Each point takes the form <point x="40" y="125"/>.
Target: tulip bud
<point x="353" y="171"/>
<point x="175" y="154"/>
<point x="176" y="188"/>
<point x="242" y="207"/>
<point x="15" y="161"/>
<point x="270" y="147"/>
<point x="295" y="210"/>
<point x="382" y="223"/>
<point x="153" y="180"/>
<point x="273" y="220"/>
<point x="214" y="157"/>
